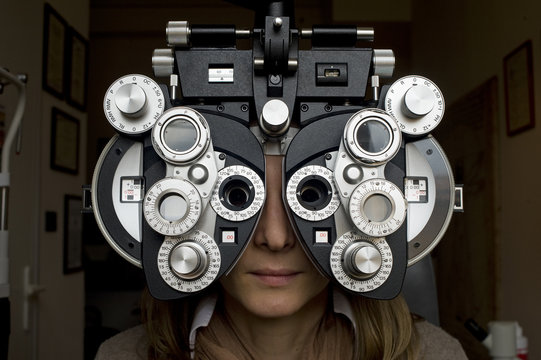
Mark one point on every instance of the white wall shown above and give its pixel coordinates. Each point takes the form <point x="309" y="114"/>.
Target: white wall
<point x="35" y="189"/>
<point x="460" y="44"/>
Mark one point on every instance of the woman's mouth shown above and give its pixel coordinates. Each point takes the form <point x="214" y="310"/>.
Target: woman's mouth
<point x="275" y="278"/>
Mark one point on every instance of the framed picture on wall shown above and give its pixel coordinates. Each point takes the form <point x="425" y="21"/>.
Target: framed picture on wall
<point x="519" y="89"/>
<point x="73" y="234"/>
<point x="54" y="41"/>
<point x="64" y="142"/>
<point x="76" y="69"/>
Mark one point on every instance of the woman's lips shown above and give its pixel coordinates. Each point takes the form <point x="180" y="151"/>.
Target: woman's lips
<point x="275" y="278"/>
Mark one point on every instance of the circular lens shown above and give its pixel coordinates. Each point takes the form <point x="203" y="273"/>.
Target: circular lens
<point x="377" y="208"/>
<point x="173" y="207"/>
<point x="180" y="135"/>
<point x="237" y="193"/>
<point x="314" y="193"/>
<point x="373" y="136"/>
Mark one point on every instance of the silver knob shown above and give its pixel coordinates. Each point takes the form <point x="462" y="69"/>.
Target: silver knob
<point x="362" y="260"/>
<point x="384" y="62"/>
<point x="130" y="99"/>
<point x="162" y="62"/>
<point x="178" y="33"/>
<point x="419" y="101"/>
<point x="353" y="174"/>
<point x="365" y="33"/>
<point x="275" y="117"/>
<point x="188" y="260"/>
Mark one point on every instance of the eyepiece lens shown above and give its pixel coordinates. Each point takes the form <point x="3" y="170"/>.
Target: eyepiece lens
<point x="373" y="136"/>
<point x="237" y="193"/>
<point x="313" y="191"/>
<point x="180" y="135"/>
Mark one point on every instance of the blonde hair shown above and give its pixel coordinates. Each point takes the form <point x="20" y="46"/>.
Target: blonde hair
<point x="385" y="329"/>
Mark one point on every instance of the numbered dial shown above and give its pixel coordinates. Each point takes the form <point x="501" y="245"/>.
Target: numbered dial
<point x="239" y="193"/>
<point x="311" y="193"/>
<point x="172" y="206"/>
<point x="189" y="263"/>
<point x="377" y="207"/>
<point x="133" y="103"/>
<point x="359" y="263"/>
<point x="416" y="103"/>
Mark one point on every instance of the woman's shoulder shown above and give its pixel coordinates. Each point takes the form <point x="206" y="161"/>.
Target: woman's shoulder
<point x="438" y="344"/>
<point x="130" y="344"/>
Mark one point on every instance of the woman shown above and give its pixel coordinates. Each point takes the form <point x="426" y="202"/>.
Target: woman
<point x="274" y="304"/>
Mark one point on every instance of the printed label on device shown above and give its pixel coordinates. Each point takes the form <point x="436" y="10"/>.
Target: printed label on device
<point x="132" y="189"/>
<point x="416" y="189"/>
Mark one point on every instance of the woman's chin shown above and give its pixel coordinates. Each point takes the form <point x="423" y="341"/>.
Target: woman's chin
<point x="274" y="303"/>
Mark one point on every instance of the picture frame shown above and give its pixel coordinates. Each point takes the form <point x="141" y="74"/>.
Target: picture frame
<point x="73" y="234"/>
<point x="76" y="70"/>
<point x="54" y="43"/>
<point x="519" y="89"/>
<point x="64" y="142"/>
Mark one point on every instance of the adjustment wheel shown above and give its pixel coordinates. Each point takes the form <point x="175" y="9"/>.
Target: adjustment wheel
<point x="188" y="260"/>
<point x="362" y="260"/>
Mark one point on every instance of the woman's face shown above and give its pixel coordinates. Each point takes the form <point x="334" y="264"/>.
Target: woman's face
<point x="273" y="278"/>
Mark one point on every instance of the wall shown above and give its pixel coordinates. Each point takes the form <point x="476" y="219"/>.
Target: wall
<point x="460" y="45"/>
<point x="35" y="189"/>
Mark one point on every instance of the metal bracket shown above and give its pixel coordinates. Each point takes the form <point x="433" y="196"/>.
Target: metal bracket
<point x="459" y="198"/>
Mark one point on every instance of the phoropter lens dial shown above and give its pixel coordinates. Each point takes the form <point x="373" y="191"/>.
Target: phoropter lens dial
<point x="188" y="260"/>
<point x="189" y="263"/>
<point x="360" y="263"/>
<point x="239" y="193"/>
<point x="133" y="103"/>
<point x="372" y="136"/>
<point x="311" y="193"/>
<point x="377" y="207"/>
<point x="416" y="103"/>
<point x="181" y="135"/>
<point x="172" y="206"/>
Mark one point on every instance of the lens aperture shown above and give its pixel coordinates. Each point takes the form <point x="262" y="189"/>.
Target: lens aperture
<point x="237" y="193"/>
<point x="180" y="135"/>
<point x="173" y="207"/>
<point x="377" y="208"/>
<point x="314" y="192"/>
<point x="373" y="136"/>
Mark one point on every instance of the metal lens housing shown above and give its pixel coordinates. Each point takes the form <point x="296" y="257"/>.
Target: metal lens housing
<point x="181" y="135"/>
<point x="377" y="207"/>
<point x="311" y="193"/>
<point x="239" y="193"/>
<point x="372" y="136"/>
<point x="172" y="206"/>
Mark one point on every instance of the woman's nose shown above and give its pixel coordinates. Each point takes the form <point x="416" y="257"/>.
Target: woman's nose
<point x="274" y="231"/>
